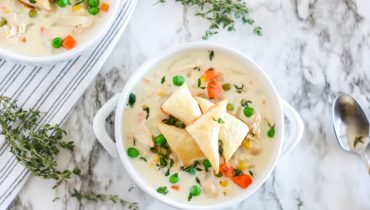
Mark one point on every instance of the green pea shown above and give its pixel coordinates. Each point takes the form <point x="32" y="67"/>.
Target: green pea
<point x="226" y="86"/>
<point x="195" y="190"/>
<point x="178" y="80"/>
<point x="93" y="10"/>
<point x="3" y="21"/>
<point x="62" y="3"/>
<point x="32" y="13"/>
<point x="57" y="42"/>
<point x="229" y="107"/>
<point x="271" y="132"/>
<point x="174" y="178"/>
<point x="160" y="140"/>
<point x="248" y="111"/>
<point x="133" y="152"/>
<point x="93" y="3"/>
<point x="207" y="164"/>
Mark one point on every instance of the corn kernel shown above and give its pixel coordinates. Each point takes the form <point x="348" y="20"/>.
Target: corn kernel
<point x="160" y="93"/>
<point x="75" y="8"/>
<point x="224" y="183"/>
<point x="247" y="144"/>
<point x="202" y="78"/>
<point x="242" y="165"/>
<point x="157" y="158"/>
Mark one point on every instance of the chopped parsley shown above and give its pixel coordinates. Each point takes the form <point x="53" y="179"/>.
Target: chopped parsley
<point x="196" y="68"/>
<point x="192" y="168"/>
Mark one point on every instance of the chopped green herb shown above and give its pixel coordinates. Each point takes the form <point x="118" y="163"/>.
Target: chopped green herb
<point x="239" y="89"/>
<point x="194" y="191"/>
<point x="163" y="162"/>
<point x="226" y="86"/>
<point x="192" y="168"/>
<point x="229" y="107"/>
<point x="171" y="120"/>
<point x="160" y="140"/>
<point x="245" y="102"/>
<point x="219" y="120"/>
<point x="174" y="178"/>
<point x="271" y="131"/>
<point x="197" y="68"/>
<point x="178" y="80"/>
<point x="147" y="110"/>
<point x="169" y="167"/>
<point x="131" y="100"/>
<point x="220" y="147"/>
<point x="144" y="159"/>
<point x="358" y="139"/>
<point x="211" y="55"/>
<point x="162" y="190"/>
<point x="207" y="164"/>
<point x="197" y="181"/>
<point x="237" y="172"/>
<point x="251" y="173"/>
<point x="133" y="152"/>
<point x="163" y="79"/>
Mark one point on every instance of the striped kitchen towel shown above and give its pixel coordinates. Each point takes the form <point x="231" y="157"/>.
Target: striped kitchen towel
<point x="53" y="90"/>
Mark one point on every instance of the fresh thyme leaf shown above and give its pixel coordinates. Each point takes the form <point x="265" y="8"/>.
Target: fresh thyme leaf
<point x="197" y="68"/>
<point x="192" y="168"/>
<point x="131" y="100"/>
<point x="80" y="196"/>
<point x="221" y="14"/>
<point x="358" y="139"/>
<point x="239" y="89"/>
<point x="163" y="79"/>
<point x="219" y="120"/>
<point x="35" y="147"/>
<point x="162" y="190"/>
<point x="220" y="147"/>
<point x="245" y="102"/>
<point x="197" y="180"/>
<point x="211" y="55"/>
<point x="147" y="110"/>
<point x="171" y="120"/>
<point x="237" y="172"/>
<point x="144" y="159"/>
<point x="251" y="173"/>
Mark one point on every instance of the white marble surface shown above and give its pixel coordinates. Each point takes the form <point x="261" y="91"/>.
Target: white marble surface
<point x="312" y="50"/>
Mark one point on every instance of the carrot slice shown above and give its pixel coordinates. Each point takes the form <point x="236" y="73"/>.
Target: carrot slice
<point x="214" y="89"/>
<point x="224" y="166"/>
<point x="242" y="180"/>
<point x="69" y="42"/>
<point x="210" y="74"/>
<point x="175" y="187"/>
<point x="104" y="7"/>
<point x="227" y="169"/>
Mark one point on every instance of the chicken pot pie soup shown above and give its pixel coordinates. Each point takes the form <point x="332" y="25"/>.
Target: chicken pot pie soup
<point x="201" y="125"/>
<point x="45" y="27"/>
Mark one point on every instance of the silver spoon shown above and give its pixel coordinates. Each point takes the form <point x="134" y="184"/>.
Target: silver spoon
<point x="351" y="126"/>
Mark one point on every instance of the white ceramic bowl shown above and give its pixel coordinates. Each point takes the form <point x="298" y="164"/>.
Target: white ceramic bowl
<point x="119" y="103"/>
<point x="98" y="32"/>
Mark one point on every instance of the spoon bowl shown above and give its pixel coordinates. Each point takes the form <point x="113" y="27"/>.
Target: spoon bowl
<point x="351" y="126"/>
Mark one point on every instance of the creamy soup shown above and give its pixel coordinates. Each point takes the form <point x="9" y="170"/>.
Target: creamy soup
<point x="210" y="77"/>
<point x="43" y="27"/>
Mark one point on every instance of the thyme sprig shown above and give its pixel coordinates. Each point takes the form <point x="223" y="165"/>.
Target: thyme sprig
<point x="222" y="14"/>
<point x="36" y="149"/>
<point x="103" y="197"/>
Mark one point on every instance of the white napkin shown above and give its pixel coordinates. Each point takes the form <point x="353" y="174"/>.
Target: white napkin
<point x="53" y="90"/>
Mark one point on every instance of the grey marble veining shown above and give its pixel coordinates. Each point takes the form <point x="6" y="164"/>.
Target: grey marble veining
<point x="311" y="49"/>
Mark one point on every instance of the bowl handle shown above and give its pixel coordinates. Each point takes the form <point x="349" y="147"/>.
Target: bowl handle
<point x="294" y="128"/>
<point x="99" y="126"/>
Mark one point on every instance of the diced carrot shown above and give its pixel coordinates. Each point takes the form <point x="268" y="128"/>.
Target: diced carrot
<point x="175" y="187"/>
<point x="225" y="165"/>
<point x="214" y="89"/>
<point x="69" y="42"/>
<point x="24" y="39"/>
<point x="227" y="169"/>
<point x="42" y="29"/>
<point x="104" y="7"/>
<point x="210" y="74"/>
<point x="242" y="180"/>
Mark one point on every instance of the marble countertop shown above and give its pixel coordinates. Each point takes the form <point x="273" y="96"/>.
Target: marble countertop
<point x="311" y="49"/>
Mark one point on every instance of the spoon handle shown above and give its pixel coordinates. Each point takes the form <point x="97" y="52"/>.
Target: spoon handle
<point x="367" y="161"/>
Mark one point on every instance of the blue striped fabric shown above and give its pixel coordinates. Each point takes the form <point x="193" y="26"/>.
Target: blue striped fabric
<point x="53" y="90"/>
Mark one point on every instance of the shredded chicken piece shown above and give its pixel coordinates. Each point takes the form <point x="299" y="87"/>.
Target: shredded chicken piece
<point x="254" y="126"/>
<point x="210" y="189"/>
